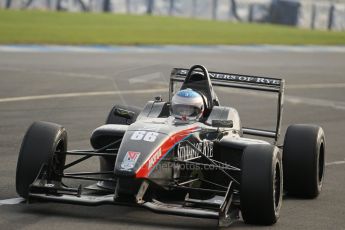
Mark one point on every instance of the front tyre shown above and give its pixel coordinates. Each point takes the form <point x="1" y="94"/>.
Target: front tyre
<point x="304" y="160"/>
<point x="40" y="144"/>
<point x="261" y="185"/>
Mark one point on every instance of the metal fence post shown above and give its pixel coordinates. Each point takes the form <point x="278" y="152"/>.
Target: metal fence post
<point x="48" y="4"/>
<point x="313" y="16"/>
<point x="128" y="6"/>
<point x="233" y="10"/>
<point x="331" y="17"/>
<point x="58" y="5"/>
<point x="28" y="3"/>
<point x="171" y="7"/>
<point x="214" y="9"/>
<point x="194" y="6"/>
<point x="8" y="4"/>
<point x="150" y="6"/>
<point x="251" y="12"/>
<point x="84" y="7"/>
<point x="106" y="6"/>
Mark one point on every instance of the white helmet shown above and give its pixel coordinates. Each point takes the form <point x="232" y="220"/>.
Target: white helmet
<point x="187" y="105"/>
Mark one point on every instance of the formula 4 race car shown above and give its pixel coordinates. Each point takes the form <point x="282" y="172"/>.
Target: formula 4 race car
<point x="207" y="168"/>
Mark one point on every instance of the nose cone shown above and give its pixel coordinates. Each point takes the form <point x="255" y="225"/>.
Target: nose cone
<point x="145" y="143"/>
<point x="137" y="148"/>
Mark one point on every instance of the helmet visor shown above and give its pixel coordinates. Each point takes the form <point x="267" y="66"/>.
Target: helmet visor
<point x="185" y="110"/>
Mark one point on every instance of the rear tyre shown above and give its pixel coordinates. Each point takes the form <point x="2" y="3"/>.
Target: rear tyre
<point x="38" y="148"/>
<point x="304" y="160"/>
<point x="114" y="117"/>
<point x="261" y="184"/>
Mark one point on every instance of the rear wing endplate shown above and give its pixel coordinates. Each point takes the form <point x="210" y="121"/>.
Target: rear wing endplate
<point x="265" y="84"/>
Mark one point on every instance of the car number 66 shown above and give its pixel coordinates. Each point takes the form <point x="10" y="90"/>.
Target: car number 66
<point x="143" y="135"/>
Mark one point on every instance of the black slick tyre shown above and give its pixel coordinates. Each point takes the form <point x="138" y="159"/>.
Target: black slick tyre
<point x="304" y="160"/>
<point x="261" y="184"/>
<point x="41" y="141"/>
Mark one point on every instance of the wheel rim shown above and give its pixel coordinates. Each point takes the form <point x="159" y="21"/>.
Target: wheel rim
<point x="58" y="161"/>
<point x="277" y="187"/>
<point x="321" y="164"/>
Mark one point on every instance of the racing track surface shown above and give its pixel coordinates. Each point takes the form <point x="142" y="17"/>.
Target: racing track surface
<point x="315" y="94"/>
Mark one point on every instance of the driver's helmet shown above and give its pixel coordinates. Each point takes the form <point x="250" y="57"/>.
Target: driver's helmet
<point x="187" y="105"/>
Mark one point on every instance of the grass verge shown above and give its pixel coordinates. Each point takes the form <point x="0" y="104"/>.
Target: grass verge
<point x="38" y="27"/>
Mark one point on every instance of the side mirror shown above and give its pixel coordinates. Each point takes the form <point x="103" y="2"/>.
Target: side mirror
<point x="124" y="113"/>
<point x="158" y="99"/>
<point x="222" y="123"/>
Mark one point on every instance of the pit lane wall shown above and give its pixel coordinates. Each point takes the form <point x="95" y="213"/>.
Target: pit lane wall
<point x="313" y="14"/>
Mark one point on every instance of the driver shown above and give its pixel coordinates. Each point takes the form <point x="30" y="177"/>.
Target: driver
<point x="187" y="105"/>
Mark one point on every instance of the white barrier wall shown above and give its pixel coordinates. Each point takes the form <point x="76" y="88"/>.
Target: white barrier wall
<point x="322" y="14"/>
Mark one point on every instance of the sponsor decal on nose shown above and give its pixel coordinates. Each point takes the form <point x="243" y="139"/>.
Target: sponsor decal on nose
<point x="129" y="160"/>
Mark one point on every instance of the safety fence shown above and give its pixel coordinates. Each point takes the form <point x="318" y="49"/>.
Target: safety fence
<point x="325" y="14"/>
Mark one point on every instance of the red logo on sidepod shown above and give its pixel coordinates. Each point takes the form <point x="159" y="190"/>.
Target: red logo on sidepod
<point x="144" y="170"/>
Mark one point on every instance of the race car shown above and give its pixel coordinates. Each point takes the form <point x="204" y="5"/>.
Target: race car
<point x="187" y="156"/>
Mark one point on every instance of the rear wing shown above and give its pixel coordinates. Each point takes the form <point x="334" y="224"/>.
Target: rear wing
<point x="266" y="84"/>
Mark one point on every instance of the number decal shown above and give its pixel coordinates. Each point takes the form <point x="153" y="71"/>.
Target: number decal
<point x="143" y="135"/>
<point x="138" y="135"/>
<point x="150" y="136"/>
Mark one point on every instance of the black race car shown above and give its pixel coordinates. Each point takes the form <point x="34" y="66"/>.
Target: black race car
<point x="205" y="169"/>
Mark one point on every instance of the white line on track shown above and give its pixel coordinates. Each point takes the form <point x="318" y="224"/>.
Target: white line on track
<point x="153" y="76"/>
<point x="58" y="73"/>
<point x="12" y="201"/>
<point x="339" y="105"/>
<point x="68" y="95"/>
<point x="148" y="78"/>
<point x="335" y="163"/>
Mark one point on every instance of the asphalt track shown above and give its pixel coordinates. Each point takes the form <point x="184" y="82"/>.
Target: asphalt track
<point x="78" y="89"/>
